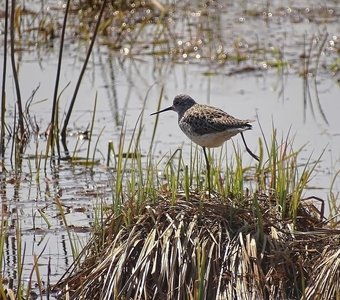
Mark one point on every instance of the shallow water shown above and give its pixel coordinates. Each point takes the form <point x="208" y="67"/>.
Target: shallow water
<point x="250" y="89"/>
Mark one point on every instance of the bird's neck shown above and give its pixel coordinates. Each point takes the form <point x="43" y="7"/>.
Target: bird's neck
<point x="181" y="113"/>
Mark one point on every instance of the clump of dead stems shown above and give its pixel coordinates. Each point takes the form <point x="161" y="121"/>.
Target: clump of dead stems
<point x="209" y="249"/>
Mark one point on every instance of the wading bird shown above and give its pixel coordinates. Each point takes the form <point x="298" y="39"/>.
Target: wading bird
<point x="206" y="125"/>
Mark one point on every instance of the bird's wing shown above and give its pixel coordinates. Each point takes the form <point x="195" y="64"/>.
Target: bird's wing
<point x="210" y="119"/>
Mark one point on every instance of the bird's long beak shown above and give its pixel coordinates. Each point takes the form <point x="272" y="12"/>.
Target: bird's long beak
<point x="163" y="110"/>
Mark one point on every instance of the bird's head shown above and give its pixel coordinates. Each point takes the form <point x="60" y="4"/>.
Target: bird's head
<point x="180" y="105"/>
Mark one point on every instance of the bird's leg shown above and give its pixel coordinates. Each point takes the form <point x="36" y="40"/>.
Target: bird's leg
<point x="248" y="150"/>
<point x="208" y="169"/>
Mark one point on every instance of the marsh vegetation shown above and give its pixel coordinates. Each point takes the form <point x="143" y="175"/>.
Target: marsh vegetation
<point x="99" y="201"/>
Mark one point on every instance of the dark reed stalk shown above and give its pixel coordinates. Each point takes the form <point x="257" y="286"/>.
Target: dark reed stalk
<point x="306" y="81"/>
<point x="54" y="125"/>
<point x="3" y="89"/>
<point x="73" y="100"/>
<point x="323" y="42"/>
<point x="48" y="280"/>
<point x="15" y="75"/>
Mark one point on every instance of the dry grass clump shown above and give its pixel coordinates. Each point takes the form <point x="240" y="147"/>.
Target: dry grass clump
<point x="209" y="249"/>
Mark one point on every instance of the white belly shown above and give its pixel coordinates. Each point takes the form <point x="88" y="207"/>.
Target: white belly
<point x="213" y="140"/>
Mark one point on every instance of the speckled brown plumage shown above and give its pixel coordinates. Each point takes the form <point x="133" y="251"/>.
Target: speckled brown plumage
<point x="204" y="119"/>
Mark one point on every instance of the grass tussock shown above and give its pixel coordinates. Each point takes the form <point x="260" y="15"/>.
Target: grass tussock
<point x="209" y="249"/>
